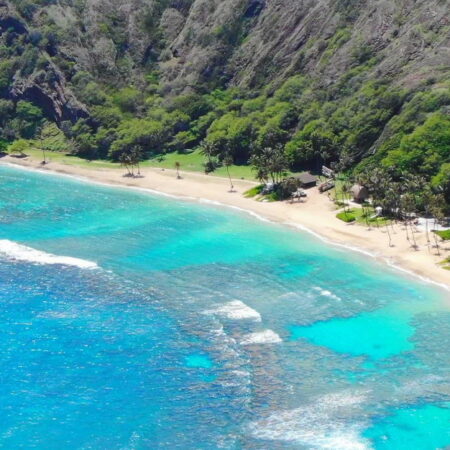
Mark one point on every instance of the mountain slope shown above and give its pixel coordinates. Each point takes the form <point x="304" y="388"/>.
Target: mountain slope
<point x="331" y="81"/>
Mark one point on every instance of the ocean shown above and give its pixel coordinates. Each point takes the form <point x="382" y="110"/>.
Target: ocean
<point x="132" y="320"/>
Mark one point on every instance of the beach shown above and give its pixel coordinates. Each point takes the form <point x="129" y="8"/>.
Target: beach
<point x="316" y="214"/>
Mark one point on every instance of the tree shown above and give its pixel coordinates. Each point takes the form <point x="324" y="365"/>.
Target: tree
<point x="28" y="119"/>
<point x="425" y="149"/>
<point x="124" y="160"/>
<point x="270" y="163"/>
<point x="441" y="181"/>
<point x="18" y="147"/>
<point x="437" y="210"/>
<point x="314" y="145"/>
<point x="135" y="157"/>
<point x="209" y="150"/>
<point x="40" y="132"/>
<point x="228" y="161"/>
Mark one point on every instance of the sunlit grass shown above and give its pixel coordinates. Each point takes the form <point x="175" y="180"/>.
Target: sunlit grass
<point x="362" y="216"/>
<point x="191" y="162"/>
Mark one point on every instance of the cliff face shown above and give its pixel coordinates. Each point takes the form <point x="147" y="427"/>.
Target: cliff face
<point x="250" y="43"/>
<point x="46" y="87"/>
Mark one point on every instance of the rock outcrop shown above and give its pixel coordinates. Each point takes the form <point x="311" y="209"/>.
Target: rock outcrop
<point x="210" y="43"/>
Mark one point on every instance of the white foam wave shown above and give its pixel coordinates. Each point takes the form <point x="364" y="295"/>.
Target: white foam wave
<point x="18" y="252"/>
<point x="261" y="337"/>
<point x="236" y="310"/>
<point x="327" y="423"/>
<point x="326" y="293"/>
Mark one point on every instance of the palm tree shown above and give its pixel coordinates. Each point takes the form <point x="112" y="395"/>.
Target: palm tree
<point x="227" y="162"/>
<point x="410" y="210"/>
<point x="437" y="210"/>
<point x="210" y="151"/>
<point x="177" y="167"/>
<point x="135" y="158"/>
<point x="124" y="162"/>
<point x="41" y="140"/>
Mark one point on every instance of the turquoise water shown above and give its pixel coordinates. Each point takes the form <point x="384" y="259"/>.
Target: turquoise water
<point x="204" y="328"/>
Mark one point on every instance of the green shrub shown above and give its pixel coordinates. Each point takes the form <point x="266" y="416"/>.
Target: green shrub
<point x="346" y="216"/>
<point x="254" y="191"/>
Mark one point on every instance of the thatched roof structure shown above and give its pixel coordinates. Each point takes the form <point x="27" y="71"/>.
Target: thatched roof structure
<point x="306" y="179"/>
<point x="360" y="193"/>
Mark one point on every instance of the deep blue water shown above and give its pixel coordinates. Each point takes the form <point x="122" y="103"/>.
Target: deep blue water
<point x="204" y="328"/>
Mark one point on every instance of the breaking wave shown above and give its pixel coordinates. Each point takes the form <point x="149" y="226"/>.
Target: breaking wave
<point x="326" y="293"/>
<point x="261" y="337"/>
<point x="236" y="310"/>
<point x="18" y="252"/>
<point x="328" y="423"/>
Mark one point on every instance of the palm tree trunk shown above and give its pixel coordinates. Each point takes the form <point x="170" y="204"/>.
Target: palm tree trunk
<point x="229" y="176"/>
<point x="412" y="234"/>
<point x="435" y="239"/>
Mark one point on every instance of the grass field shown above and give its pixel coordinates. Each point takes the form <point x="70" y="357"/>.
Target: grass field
<point x="191" y="162"/>
<point x="361" y="217"/>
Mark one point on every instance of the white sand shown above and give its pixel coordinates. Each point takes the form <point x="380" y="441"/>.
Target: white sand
<point x="317" y="214"/>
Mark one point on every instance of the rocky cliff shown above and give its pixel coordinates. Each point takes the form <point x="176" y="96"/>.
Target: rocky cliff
<point x="251" y="43"/>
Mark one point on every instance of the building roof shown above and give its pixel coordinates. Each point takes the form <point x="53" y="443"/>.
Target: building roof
<point x="359" y="191"/>
<point x="306" y="178"/>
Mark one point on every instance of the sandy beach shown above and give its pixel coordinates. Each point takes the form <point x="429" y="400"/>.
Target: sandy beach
<point x="316" y="214"/>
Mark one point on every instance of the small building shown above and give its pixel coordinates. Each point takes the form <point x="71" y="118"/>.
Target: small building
<point x="306" y="180"/>
<point x="360" y="193"/>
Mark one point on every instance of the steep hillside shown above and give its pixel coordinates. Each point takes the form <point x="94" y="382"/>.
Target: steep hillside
<point x="347" y="82"/>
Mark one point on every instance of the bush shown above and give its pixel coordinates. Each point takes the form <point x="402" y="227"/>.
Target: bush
<point x="254" y="191"/>
<point x="346" y="217"/>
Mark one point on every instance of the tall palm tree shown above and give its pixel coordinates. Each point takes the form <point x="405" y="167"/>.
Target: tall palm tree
<point x="124" y="162"/>
<point x="227" y="162"/>
<point x="437" y="210"/>
<point x="135" y="158"/>
<point x="40" y="132"/>
<point x="177" y="167"/>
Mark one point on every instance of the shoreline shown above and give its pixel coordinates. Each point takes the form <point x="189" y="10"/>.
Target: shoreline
<point x="316" y="216"/>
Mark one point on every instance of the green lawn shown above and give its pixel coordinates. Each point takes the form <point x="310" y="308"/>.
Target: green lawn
<point x="192" y="162"/>
<point x="446" y="264"/>
<point x="358" y="215"/>
<point x="444" y="234"/>
<point x="64" y="158"/>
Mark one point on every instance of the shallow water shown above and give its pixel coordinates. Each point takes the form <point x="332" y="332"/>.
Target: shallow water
<point x="172" y="324"/>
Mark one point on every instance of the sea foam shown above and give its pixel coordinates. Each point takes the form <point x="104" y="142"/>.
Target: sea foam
<point x="18" y="252"/>
<point x="328" y="423"/>
<point x="261" y="337"/>
<point x="236" y="310"/>
<point x="326" y="293"/>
